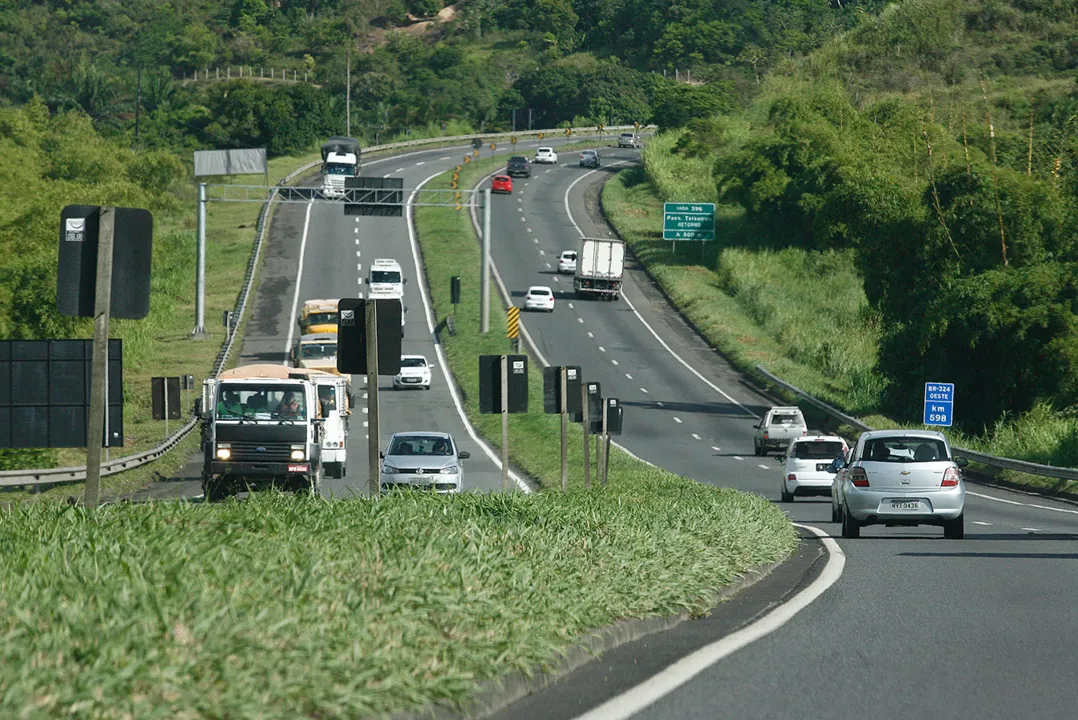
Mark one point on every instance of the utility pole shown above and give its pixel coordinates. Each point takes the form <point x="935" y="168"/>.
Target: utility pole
<point x="200" y="269"/>
<point x="348" y="93"/>
<point x="138" y="100"/>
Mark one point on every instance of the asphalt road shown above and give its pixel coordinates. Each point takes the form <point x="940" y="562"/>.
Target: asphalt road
<point x="917" y="625"/>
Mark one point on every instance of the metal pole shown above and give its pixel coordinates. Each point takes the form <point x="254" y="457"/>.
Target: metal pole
<point x="200" y="274"/>
<point x="529" y="118"/>
<point x="166" y="408"/>
<point x="95" y="433"/>
<point x="484" y="290"/>
<point x="606" y="449"/>
<point x="564" y="429"/>
<point x="598" y="455"/>
<point x="138" y="100"/>
<point x="505" y="422"/>
<point x="348" y="93"/>
<point x="373" y="458"/>
<point x="514" y="119"/>
<point x="587" y="444"/>
<point x="108" y="438"/>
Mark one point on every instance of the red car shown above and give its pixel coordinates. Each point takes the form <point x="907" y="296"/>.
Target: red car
<point x="501" y="183"/>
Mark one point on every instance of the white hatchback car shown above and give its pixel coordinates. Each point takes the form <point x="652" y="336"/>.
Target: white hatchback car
<point x="567" y="261"/>
<point x="415" y="372"/>
<point x="422" y="461"/>
<point x="805" y="471"/>
<point x="539" y="297"/>
<point x="900" y="478"/>
<point x="546" y="155"/>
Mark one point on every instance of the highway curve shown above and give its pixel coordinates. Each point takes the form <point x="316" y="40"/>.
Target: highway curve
<point x="917" y="626"/>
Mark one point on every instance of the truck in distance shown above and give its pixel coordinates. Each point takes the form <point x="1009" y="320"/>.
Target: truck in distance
<point x="600" y="268"/>
<point x="340" y="160"/>
<point x="260" y="428"/>
<point x="780" y="425"/>
<point x="318" y="316"/>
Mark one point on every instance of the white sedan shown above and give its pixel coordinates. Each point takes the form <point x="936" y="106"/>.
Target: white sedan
<point x="567" y="261"/>
<point x="415" y="372"/>
<point x="539" y="297"/>
<point x="546" y="155"/>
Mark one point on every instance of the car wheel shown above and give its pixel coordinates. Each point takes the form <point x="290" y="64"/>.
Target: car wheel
<point x="834" y="513"/>
<point x="787" y="496"/>
<point x="850" y="527"/>
<point x="756" y="449"/>
<point x="955" y="529"/>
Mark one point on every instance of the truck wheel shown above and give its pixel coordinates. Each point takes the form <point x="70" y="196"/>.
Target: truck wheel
<point x="214" y="489"/>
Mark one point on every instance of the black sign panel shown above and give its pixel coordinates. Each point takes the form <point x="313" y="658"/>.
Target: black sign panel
<point x="45" y="393"/>
<point x="454" y="290"/>
<point x="132" y="253"/>
<point x="614" y="415"/>
<point x="552" y="390"/>
<point x="374" y="196"/>
<point x="352" y="335"/>
<point x="159" y="386"/>
<point x="595" y="406"/>
<point x="490" y="384"/>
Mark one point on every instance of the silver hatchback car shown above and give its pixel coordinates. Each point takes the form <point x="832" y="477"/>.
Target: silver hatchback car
<point x="900" y="478"/>
<point x="423" y="461"/>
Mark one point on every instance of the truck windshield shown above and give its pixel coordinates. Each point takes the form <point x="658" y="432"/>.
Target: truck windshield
<point x="385" y="276"/>
<point x="322" y="318"/>
<point x="340" y="169"/>
<point x="252" y="401"/>
<point x="317" y="351"/>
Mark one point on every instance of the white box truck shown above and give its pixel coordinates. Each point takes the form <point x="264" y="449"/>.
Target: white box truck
<point x="340" y="160"/>
<point x="600" y="268"/>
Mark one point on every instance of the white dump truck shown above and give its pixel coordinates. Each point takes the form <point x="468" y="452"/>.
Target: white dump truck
<point x="260" y="428"/>
<point x="334" y="407"/>
<point x="340" y="160"/>
<point x="600" y="268"/>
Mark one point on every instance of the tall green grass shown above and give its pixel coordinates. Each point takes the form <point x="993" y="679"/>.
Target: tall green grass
<point x="287" y="606"/>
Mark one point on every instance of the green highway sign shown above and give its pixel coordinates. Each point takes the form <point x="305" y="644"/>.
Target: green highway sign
<point x="689" y="221"/>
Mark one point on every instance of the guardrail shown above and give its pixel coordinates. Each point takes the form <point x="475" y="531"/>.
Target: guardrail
<point x="47" y="476"/>
<point x="985" y="459"/>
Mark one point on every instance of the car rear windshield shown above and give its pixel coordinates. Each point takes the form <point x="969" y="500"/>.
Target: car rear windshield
<point x="817" y="450"/>
<point x="905" y="450"/>
<point x="518" y="160"/>
<point x="539" y="291"/>
<point x="788" y="419"/>
<point x="503" y="178"/>
<point x="413" y="362"/>
<point x="569" y="255"/>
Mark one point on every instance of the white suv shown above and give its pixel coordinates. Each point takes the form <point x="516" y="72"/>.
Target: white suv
<point x="546" y="155"/>
<point x="630" y="140"/>
<point x="415" y="372"/>
<point x="805" y="471"/>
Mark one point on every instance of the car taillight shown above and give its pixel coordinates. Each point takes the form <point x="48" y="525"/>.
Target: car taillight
<point x="950" y="478"/>
<point x="765" y="434"/>
<point x="791" y="476"/>
<point x="858" y="477"/>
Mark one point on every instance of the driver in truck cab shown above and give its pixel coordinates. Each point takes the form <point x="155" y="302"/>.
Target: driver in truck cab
<point x="290" y="407"/>
<point x="327" y="397"/>
<point x="230" y="404"/>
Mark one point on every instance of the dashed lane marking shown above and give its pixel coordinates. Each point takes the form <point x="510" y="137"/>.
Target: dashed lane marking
<point x="677" y="420"/>
<point x="695" y="436"/>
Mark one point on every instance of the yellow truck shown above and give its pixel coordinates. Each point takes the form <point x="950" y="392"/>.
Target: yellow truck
<point x="318" y="316"/>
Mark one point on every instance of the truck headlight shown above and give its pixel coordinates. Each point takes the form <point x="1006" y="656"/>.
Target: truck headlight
<point x="224" y="452"/>
<point x="298" y="453"/>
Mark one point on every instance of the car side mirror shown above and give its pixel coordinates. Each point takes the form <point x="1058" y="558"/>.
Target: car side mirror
<point x="961" y="462"/>
<point x="381" y="453"/>
<point x="405" y="308"/>
<point x="405" y="281"/>
<point x="464" y="455"/>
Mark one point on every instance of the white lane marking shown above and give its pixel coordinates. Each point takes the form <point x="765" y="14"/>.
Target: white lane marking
<point x="627" y="375"/>
<point x="738" y="457"/>
<point x="765" y="467"/>
<point x="694" y="435"/>
<point x="429" y="312"/>
<point x="677" y="420"/>
<point x="424" y="162"/>
<point x="614" y="361"/>
<point x="666" y="681"/>
<point x="556" y="279"/>
<point x="1031" y="529"/>
<point x="541" y="252"/>
<point x="640" y="317"/>
<point x="366" y="409"/>
<point x="591" y="334"/>
<point x="519" y="200"/>
<point x="580" y="320"/>
<point x="536" y="241"/>
<point x="366" y="421"/>
<point x="601" y="349"/>
<point x="357" y="243"/>
<point x="1015" y="502"/>
<point x="399" y="170"/>
<point x="358" y="253"/>
<point x="978" y="522"/>
<point x="518" y="210"/>
<point x="523" y="219"/>
<point x="645" y="391"/>
<point x="570" y="306"/>
<point x="549" y="265"/>
<point x="387" y="175"/>
<point x="299" y="279"/>
<point x="529" y="230"/>
<point x="355" y="231"/>
<point x="359" y="266"/>
<point x="365" y="394"/>
<point x="716" y="449"/>
<point x="443" y="158"/>
<point x="659" y="403"/>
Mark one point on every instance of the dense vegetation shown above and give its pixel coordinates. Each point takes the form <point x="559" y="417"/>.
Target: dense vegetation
<point x="932" y="150"/>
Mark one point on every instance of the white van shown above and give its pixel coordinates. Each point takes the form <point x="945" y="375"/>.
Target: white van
<point x="334" y="407"/>
<point x="385" y="279"/>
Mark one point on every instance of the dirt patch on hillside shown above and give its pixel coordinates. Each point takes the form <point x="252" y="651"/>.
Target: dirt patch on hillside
<point x="416" y="27"/>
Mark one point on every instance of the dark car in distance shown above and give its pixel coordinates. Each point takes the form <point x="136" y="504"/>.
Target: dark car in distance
<point x="589" y="158"/>
<point x="518" y="165"/>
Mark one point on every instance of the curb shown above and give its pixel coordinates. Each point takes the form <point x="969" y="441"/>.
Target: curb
<point x="495" y="695"/>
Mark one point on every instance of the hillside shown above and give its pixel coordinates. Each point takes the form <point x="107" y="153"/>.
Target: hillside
<point x="899" y="206"/>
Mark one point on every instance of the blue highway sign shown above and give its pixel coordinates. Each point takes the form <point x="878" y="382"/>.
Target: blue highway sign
<point x="939" y="404"/>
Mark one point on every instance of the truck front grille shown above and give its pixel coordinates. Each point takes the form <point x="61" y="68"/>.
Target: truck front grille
<point x="261" y="452"/>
